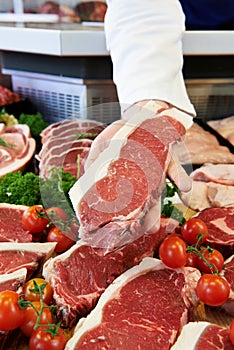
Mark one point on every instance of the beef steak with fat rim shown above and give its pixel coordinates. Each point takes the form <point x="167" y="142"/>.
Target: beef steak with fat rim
<point x="220" y="224"/>
<point x="14" y="256"/>
<point x="113" y="196"/>
<point x="145" y="308"/>
<point x="14" y="280"/>
<point x="203" y="336"/>
<point x="80" y="275"/>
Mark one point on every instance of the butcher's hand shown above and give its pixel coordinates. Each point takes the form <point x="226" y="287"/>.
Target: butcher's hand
<point x="175" y="171"/>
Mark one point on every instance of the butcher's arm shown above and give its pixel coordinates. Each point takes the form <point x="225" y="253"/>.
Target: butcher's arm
<point x="145" y="43"/>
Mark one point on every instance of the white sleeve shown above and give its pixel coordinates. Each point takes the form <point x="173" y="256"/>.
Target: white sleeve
<point x="144" y="38"/>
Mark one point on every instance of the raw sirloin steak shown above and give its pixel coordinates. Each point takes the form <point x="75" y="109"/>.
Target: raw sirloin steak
<point x="220" y="224"/>
<point x="203" y="336"/>
<point x="113" y="196"/>
<point x="145" y="308"/>
<point x="81" y="275"/>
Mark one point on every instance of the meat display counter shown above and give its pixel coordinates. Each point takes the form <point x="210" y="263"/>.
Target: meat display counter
<point x="65" y="68"/>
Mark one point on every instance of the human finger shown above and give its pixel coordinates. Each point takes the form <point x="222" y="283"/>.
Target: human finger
<point x="177" y="173"/>
<point x="102" y="141"/>
<point x="152" y="218"/>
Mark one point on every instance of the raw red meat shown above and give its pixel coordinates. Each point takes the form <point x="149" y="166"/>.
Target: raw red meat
<point x="65" y="13"/>
<point x="11" y="227"/>
<point x="145" y="308"/>
<point x="14" y="256"/>
<point x="126" y="180"/>
<point x="55" y="146"/>
<point x="81" y="275"/>
<point x="228" y="273"/>
<point x="208" y="195"/>
<point x="218" y="173"/>
<point x="70" y="127"/>
<point x="64" y="145"/>
<point x="7" y="96"/>
<point x="91" y="11"/>
<point x="220" y="224"/>
<point x="203" y="336"/>
<point x="13" y="281"/>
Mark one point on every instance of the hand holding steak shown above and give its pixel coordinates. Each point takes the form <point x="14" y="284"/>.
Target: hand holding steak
<point x="118" y="190"/>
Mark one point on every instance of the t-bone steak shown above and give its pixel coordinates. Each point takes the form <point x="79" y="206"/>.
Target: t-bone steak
<point x="145" y="308"/>
<point x="81" y="275"/>
<point x="113" y="196"/>
<point x="203" y="336"/>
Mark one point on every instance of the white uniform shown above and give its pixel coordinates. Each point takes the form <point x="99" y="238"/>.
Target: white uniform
<point x="144" y="38"/>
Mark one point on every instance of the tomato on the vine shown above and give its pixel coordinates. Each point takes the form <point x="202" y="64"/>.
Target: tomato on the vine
<point x="35" y="219"/>
<point x="43" y="340"/>
<point x="231" y="332"/>
<point x="213" y="257"/>
<point x="194" y="230"/>
<point x="64" y="239"/>
<point x="29" y="290"/>
<point x="11" y="316"/>
<point x="30" y="317"/>
<point x="212" y="289"/>
<point x="172" y="251"/>
<point x="191" y="260"/>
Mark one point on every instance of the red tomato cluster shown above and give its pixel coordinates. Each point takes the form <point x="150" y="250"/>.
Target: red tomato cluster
<point x="54" y="222"/>
<point x="187" y="249"/>
<point x="13" y="316"/>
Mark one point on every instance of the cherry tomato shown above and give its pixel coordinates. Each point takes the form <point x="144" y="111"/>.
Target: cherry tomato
<point x="213" y="257"/>
<point x="172" y="251"/>
<point x="56" y="214"/>
<point x="63" y="239"/>
<point x="35" y="219"/>
<point x="32" y="284"/>
<point x="212" y="289"/>
<point x="11" y="316"/>
<point x="191" y="230"/>
<point x="42" y="340"/>
<point x="191" y="260"/>
<point x="30" y="317"/>
<point x="231" y="332"/>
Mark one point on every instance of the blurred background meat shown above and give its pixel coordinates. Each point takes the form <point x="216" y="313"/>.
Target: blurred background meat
<point x="63" y="11"/>
<point x="91" y="11"/>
